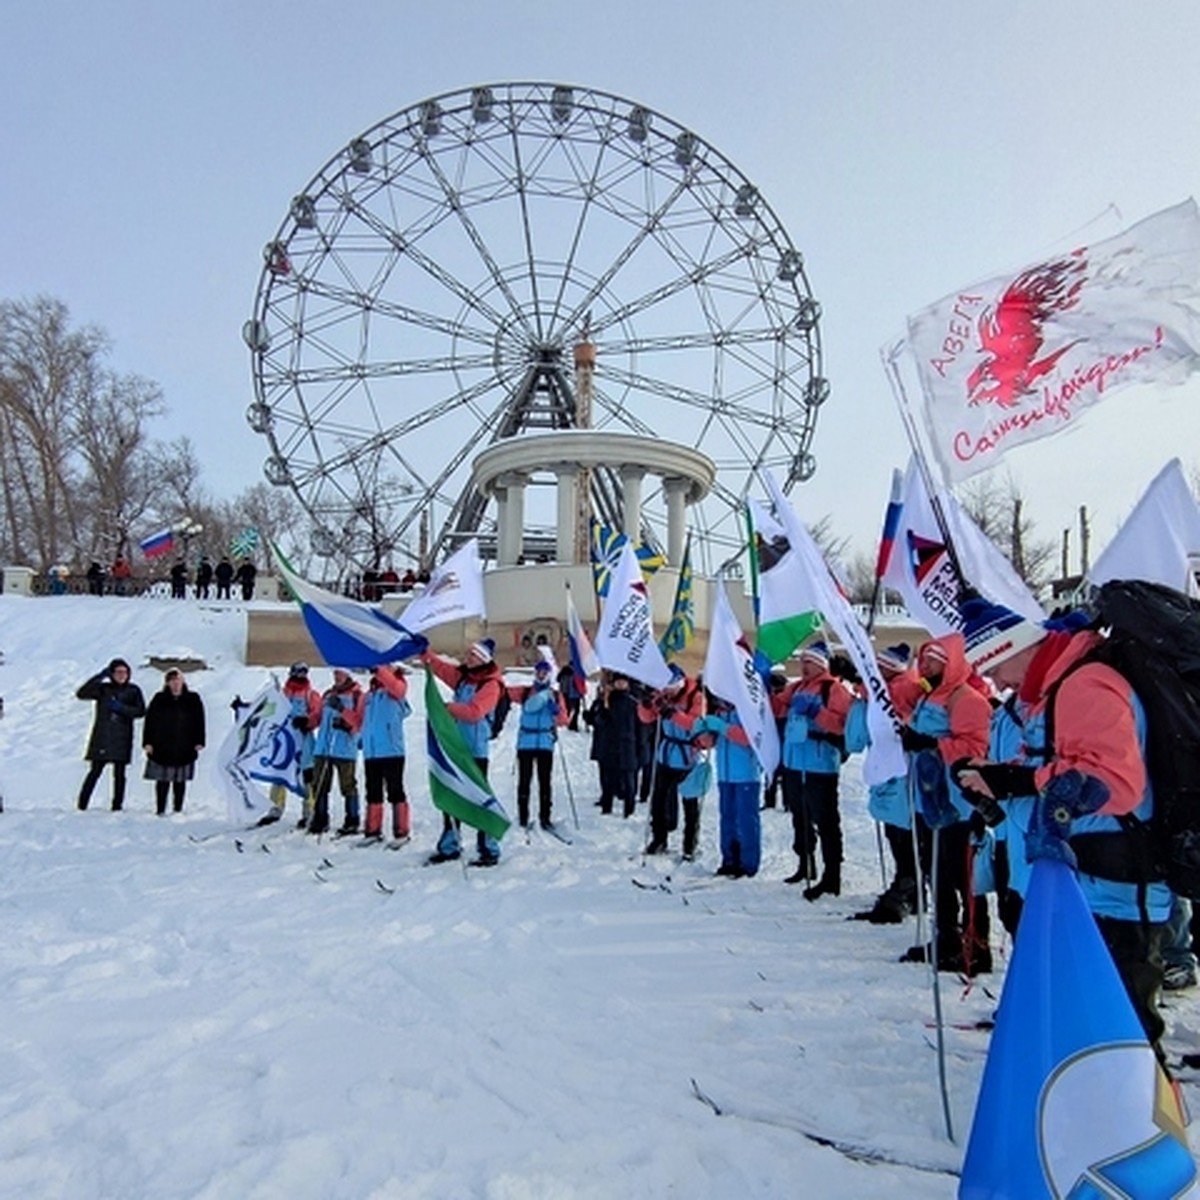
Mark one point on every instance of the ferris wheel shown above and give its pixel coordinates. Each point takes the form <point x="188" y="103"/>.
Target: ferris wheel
<point x="423" y="296"/>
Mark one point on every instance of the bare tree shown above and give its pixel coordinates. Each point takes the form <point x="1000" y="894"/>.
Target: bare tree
<point x="998" y="508"/>
<point x="121" y="483"/>
<point x="277" y="516"/>
<point x="48" y="378"/>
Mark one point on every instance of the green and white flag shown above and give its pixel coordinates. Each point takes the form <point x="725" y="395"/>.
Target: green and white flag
<point x="784" y="621"/>
<point x="456" y="784"/>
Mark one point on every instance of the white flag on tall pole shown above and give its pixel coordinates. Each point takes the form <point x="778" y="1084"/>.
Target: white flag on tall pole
<point x="922" y="570"/>
<point x="885" y="757"/>
<point x="625" y="636"/>
<point x="262" y="747"/>
<point x="453" y="593"/>
<point x="1020" y="355"/>
<point x="729" y="673"/>
<point x="1160" y="540"/>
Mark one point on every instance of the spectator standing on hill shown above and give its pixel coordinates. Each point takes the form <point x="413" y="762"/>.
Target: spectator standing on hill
<point x="118" y="703"/>
<point x="224" y="577"/>
<point x="172" y="737"/>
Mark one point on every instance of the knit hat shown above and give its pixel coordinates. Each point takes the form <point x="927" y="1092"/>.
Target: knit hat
<point x="677" y="675"/>
<point x="545" y="659"/>
<point x="896" y="657"/>
<point x="298" y="670"/>
<point x="994" y="633"/>
<point x="818" y="651"/>
<point x="485" y="648"/>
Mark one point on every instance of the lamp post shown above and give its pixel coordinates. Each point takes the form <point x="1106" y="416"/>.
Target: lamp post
<point x="188" y="529"/>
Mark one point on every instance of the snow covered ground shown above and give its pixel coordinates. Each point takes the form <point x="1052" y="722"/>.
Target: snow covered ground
<point x="254" y="1016"/>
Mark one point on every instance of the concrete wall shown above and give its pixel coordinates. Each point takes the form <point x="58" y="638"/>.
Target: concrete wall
<point x="526" y="605"/>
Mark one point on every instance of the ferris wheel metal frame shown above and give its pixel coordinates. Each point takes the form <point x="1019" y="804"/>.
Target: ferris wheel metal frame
<point x="422" y="297"/>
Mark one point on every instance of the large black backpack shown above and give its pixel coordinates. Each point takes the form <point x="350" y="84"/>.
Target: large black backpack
<point x="1154" y="642"/>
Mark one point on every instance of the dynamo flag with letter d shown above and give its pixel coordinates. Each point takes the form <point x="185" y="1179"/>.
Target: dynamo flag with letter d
<point x="456" y="784"/>
<point x="1021" y="355"/>
<point x="262" y="747"/>
<point x="1073" y="1103"/>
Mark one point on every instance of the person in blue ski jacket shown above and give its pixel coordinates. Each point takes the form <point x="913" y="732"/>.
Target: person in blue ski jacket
<point x="304" y="716"/>
<point x="385" y="709"/>
<point x="888" y="802"/>
<point x="476" y="683"/>
<point x="675" y="708"/>
<point x="739" y="784"/>
<point x="814" y="708"/>
<point x="336" y="752"/>
<point x="949" y="721"/>
<point x="543" y="710"/>
<point x="1082" y="765"/>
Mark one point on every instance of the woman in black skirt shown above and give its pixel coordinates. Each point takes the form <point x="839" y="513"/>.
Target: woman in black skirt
<point x="172" y="737"/>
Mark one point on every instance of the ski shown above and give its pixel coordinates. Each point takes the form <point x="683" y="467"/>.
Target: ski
<point x="552" y="830"/>
<point x="856" y="1151"/>
<point x="647" y="886"/>
<point x="399" y="843"/>
<point x="368" y="841"/>
<point x="206" y="837"/>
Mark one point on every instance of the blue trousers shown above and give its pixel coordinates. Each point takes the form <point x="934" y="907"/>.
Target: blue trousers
<point x="741" y="841"/>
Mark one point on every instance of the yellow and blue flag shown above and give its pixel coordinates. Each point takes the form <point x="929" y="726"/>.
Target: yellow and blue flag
<point x="606" y="543"/>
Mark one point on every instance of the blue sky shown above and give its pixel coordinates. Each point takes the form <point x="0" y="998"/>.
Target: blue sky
<point x="149" y="150"/>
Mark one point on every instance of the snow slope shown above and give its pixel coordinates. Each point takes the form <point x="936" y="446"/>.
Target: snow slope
<point x="252" y="1015"/>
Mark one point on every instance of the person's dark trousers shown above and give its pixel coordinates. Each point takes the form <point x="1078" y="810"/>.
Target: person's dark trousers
<point x="664" y="805"/>
<point x="957" y="911"/>
<point x="772" y="790"/>
<point x="900" y="843"/>
<point x="176" y="788"/>
<point x="527" y="762"/>
<point x="691" y="827"/>
<point x="804" y="836"/>
<point x="1136" y="950"/>
<point x="819" y="799"/>
<point x="1008" y="902"/>
<point x="90" y="779"/>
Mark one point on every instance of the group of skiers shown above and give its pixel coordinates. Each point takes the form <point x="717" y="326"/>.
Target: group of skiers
<point x="1018" y="744"/>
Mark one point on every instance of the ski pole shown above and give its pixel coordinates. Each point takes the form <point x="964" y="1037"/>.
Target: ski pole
<point x="570" y="791"/>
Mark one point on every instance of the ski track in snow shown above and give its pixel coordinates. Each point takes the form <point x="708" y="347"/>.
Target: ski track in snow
<point x="184" y="1020"/>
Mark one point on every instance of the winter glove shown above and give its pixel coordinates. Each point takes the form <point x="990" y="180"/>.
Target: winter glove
<point x="1067" y="796"/>
<point x="912" y="741"/>
<point x="342" y="724"/>
<point x="300" y="723"/>
<point x="805" y="704"/>
<point x="115" y="706"/>
<point x="1006" y="780"/>
<point x="987" y="810"/>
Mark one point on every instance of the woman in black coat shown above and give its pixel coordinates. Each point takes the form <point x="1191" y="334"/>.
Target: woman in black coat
<point x="118" y="703"/>
<point x="172" y="737"/>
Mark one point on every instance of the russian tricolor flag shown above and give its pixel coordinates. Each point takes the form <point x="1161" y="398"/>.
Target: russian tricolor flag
<point x="158" y="544"/>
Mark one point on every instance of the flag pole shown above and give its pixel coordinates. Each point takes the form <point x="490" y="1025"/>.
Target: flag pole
<point x="890" y="358"/>
<point x="890" y="364"/>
